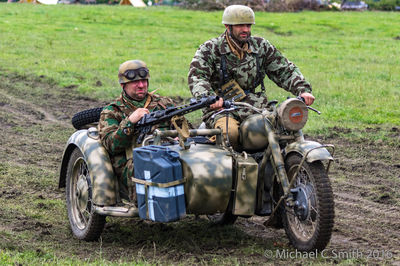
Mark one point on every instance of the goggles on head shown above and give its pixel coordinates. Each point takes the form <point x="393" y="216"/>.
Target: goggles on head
<point x="132" y="74"/>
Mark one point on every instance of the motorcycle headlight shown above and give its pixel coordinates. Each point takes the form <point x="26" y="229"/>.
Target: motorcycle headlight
<point x="293" y="114"/>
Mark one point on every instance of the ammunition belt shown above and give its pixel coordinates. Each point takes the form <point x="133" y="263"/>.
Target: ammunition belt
<point x="232" y="91"/>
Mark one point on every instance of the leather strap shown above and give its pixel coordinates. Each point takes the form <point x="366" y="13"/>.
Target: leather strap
<point x="148" y="100"/>
<point x="160" y="185"/>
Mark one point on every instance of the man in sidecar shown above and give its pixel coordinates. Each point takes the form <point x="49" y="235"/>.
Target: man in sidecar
<point x="117" y="120"/>
<point x="234" y="64"/>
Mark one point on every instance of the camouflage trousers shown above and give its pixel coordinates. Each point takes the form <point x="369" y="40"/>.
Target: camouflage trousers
<point x="123" y="171"/>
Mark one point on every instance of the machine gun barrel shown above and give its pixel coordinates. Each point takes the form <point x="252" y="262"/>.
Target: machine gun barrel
<point x="148" y="120"/>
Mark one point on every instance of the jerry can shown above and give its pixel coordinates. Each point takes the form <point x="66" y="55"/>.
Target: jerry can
<point x="159" y="183"/>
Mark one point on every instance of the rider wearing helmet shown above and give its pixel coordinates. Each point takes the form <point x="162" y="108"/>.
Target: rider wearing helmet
<point x="234" y="64"/>
<point x="117" y="120"/>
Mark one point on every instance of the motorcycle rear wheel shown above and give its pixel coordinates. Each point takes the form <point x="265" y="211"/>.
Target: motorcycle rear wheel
<point x="85" y="224"/>
<point x="309" y="225"/>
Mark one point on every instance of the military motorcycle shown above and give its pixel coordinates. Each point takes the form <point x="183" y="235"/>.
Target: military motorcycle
<point x="274" y="173"/>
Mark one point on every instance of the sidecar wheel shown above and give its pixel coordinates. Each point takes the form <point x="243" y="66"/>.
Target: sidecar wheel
<point x="226" y="218"/>
<point x="85" y="224"/>
<point x="309" y="223"/>
<point x="83" y="118"/>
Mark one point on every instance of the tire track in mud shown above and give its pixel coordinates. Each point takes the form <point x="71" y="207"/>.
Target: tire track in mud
<point x="35" y="120"/>
<point x="28" y="128"/>
<point x="25" y="108"/>
<point x="35" y="125"/>
<point x="365" y="181"/>
<point x="368" y="224"/>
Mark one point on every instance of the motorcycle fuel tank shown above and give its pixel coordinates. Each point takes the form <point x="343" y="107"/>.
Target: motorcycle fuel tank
<point x="253" y="135"/>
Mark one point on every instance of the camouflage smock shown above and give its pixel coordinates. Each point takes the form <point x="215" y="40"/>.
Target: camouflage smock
<point x="117" y="133"/>
<point x="204" y="72"/>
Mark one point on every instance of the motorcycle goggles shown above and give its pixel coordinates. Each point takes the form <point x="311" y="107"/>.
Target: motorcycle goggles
<point x="132" y="74"/>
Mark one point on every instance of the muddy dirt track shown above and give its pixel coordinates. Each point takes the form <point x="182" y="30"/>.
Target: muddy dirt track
<point x="35" y="124"/>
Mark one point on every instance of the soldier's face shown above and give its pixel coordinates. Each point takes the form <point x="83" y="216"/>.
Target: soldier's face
<point x="241" y="32"/>
<point x="137" y="89"/>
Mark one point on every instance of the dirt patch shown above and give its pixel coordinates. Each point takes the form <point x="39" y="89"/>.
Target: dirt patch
<point x="12" y="194"/>
<point x="35" y="125"/>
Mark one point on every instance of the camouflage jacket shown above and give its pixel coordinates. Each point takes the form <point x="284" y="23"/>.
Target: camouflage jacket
<point x="116" y="132"/>
<point x="204" y="74"/>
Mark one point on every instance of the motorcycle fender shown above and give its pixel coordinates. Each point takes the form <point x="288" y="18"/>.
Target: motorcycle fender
<point x="99" y="164"/>
<point x="305" y="146"/>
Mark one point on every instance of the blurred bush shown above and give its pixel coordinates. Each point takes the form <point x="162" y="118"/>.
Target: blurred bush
<point x="386" y="5"/>
<point x="256" y="5"/>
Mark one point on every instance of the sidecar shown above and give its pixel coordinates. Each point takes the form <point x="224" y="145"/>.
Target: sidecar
<point x="92" y="191"/>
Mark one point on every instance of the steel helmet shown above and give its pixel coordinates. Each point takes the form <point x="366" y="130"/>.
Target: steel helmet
<point x="238" y="14"/>
<point x="132" y="70"/>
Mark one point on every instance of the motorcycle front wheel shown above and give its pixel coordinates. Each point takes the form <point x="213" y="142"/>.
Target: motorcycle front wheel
<point x="85" y="224"/>
<point x="308" y="224"/>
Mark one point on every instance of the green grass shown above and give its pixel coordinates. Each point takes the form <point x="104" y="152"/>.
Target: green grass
<point x="350" y="58"/>
<point x="40" y="257"/>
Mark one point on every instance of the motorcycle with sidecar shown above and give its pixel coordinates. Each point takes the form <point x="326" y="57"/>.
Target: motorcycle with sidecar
<point x="275" y="173"/>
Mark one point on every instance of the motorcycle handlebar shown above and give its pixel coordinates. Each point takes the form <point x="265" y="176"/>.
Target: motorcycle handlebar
<point x="301" y="99"/>
<point x="230" y="104"/>
<point x="309" y="107"/>
<point x="227" y="104"/>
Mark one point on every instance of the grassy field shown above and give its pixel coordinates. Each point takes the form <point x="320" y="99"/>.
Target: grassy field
<point x="351" y="59"/>
<point x="57" y="60"/>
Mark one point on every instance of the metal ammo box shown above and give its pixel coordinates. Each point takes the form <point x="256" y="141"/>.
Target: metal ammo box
<point x="159" y="183"/>
<point x="245" y="172"/>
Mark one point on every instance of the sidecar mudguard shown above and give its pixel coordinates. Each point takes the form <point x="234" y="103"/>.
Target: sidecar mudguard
<point x="305" y="146"/>
<point x="98" y="162"/>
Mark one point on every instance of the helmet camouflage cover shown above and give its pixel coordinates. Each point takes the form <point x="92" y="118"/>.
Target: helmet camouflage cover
<point x="133" y="65"/>
<point x="238" y="14"/>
